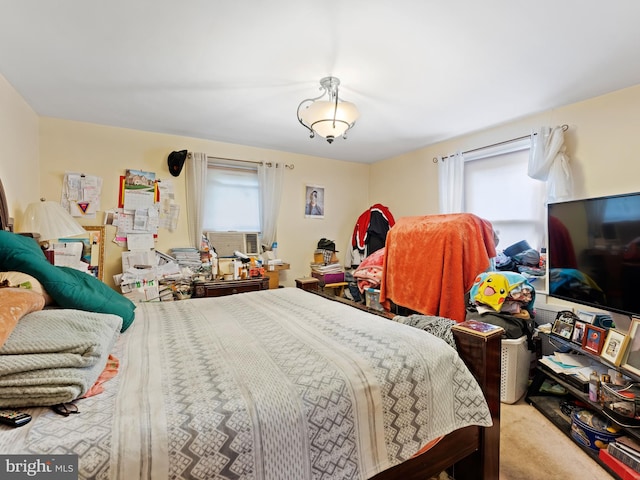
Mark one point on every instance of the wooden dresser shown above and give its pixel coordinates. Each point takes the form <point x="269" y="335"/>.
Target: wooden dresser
<point x="229" y="287"/>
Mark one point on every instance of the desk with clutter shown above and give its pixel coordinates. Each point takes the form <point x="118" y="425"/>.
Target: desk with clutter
<point x="186" y="271"/>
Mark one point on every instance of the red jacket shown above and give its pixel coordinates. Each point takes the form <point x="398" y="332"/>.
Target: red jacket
<point x="366" y="228"/>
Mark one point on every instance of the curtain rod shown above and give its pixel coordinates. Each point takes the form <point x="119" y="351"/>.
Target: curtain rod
<point x="565" y="127"/>
<point x="268" y="164"/>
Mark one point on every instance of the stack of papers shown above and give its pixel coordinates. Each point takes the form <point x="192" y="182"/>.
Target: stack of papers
<point x="326" y="268"/>
<point x="579" y="365"/>
<point x="187" y="257"/>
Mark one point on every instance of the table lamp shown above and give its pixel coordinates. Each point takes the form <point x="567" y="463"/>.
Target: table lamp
<point x="50" y="221"/>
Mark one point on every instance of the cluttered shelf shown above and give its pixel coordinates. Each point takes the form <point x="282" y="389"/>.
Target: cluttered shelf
<point x="557" y="409"/>
<point x="563" y="409"/>
<point x="593" y="420"/>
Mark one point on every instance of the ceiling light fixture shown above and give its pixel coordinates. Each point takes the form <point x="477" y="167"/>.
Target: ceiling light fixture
<point x="330" y="118"/>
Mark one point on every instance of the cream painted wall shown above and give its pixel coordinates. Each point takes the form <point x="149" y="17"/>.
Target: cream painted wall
<point x="602" y="142"/>
<point x="67" y="146"/>
<point x="19" y="170"/>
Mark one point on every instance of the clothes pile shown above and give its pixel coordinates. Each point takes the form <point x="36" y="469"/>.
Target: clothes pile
<point x="505" y="299"/>
<point x="368" y="238"/>
<point x="521" y="258"/>
<point x="369" y="273"/>
<point x="369" y="234"/>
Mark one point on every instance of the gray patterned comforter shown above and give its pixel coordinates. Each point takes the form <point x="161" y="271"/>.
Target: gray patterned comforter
<point x="277" y="384"/>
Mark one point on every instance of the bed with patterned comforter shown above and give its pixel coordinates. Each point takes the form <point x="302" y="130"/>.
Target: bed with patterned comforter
<point x="277" y="384"/>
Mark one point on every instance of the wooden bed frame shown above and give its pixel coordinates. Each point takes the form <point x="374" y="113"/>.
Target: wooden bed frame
<point x="471" y="453"/>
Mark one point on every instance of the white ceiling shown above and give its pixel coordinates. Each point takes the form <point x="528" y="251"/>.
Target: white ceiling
<point x="420" y="71"/>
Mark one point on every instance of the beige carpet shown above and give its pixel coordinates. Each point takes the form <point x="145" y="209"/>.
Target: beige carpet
<point x="532" y="448"/>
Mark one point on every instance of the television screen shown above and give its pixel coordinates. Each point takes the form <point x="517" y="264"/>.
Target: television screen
<point x="594" y="252"/>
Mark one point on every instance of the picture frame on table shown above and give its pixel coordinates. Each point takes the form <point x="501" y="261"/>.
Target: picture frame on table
<point x="586" y="317"/>
<point x="593" y="339"/>
<point x="631" y="359"/>
<point x="92" y="248"/>
<point x="614" y="346"/>
<point x="578" y="332"/>
<point x="563" y="325"/>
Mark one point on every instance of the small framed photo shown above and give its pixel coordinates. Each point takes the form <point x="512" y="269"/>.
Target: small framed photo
<point x="631" y="359"/>
<point x="614" y="346"/>
<point x="593" y="339"/>
<point x="586" y="317"/>
<point x="563" y="325"/>
<point x="578" y="332"/>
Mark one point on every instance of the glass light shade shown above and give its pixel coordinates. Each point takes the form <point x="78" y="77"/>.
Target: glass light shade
<point x="51" y="221"/>
<point x="319" y="117"/>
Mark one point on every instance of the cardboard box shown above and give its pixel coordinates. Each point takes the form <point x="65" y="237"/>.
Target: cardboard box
<point x="324" y="278"/>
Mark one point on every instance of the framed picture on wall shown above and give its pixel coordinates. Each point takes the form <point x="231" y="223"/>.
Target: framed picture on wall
<point x="314" y="201"/>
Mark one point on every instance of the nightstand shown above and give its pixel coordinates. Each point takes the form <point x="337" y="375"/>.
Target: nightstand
<point x="307" y="283"/>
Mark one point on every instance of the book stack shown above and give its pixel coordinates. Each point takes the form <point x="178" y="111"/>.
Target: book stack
<point x="187" y="257"/>
<point x="623" y="457"/>
<point x="327" y="273"/>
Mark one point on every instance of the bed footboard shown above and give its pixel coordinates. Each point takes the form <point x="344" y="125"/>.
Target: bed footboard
<point x="482" y="354"/>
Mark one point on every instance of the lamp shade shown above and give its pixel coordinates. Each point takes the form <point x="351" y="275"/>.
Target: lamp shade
<point x="50" y="220"/>
<point x="331" y="118"/>
<point x="319" y="116"/>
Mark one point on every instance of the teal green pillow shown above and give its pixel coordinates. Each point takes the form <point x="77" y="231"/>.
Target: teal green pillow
<point x="69" y="288"/>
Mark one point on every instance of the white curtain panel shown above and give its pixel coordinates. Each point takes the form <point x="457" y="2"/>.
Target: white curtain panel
<point x="451" y="183"/>
<point x="271" y="177"/>
<point x="196" y="182"/>
<point x="548" y="162"/>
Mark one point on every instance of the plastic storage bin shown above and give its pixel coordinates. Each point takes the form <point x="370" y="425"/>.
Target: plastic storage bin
<point x="622" y="404"/>
<point x="372" y="299"/>
<point x="515" y="366"/>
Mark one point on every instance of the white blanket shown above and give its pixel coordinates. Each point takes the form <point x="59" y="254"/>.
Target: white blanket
<point x="277" y="384"/>
<point x="55" y="356"/>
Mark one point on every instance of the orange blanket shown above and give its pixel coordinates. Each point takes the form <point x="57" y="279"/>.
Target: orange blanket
<point x="432" y="261"/>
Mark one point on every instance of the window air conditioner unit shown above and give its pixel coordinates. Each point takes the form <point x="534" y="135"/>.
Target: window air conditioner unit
<point x="226" y="243"/>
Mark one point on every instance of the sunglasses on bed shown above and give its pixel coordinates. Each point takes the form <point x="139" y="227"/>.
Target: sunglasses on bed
<point x="65" y="409"/>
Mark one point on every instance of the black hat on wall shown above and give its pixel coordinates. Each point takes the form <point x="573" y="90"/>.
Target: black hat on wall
<point x="176" y="162"/>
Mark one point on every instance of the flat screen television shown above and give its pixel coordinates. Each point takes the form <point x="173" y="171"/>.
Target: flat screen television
<point x="594" y="252"/>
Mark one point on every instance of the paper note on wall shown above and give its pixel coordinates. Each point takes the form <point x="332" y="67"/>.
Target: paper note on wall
<point x="81" y="194"/>
<point x="140" y="241"/>
<point x="135" y="200"/>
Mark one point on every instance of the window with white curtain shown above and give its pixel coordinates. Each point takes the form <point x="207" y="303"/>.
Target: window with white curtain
<point x="232" y="199"/>
<point x="497" y="188"/>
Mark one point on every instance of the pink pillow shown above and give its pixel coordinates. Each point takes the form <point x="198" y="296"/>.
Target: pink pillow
<point x="15" y="303"/>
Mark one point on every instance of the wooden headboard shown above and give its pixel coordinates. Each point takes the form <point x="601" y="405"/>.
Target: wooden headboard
<point x="6" y="222"/>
